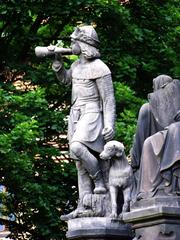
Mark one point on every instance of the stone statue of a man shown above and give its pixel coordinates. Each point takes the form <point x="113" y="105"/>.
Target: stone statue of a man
<point x="92" y="114"/>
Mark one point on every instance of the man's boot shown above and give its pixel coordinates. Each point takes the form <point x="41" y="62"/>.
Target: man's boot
<point x="84" y="187"/>
<point x="99" y="183"/>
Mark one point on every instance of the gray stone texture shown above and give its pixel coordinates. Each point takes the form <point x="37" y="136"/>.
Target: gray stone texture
<point x="156" y="149"/>
<point x="155" y="209"/>
<point x="92" y="115"/>
<point x="98" y="228"/>
<point x="155" y="219"/>
<point x="91" y="124"/>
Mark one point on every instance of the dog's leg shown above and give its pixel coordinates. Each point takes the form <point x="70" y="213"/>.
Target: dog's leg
<point x="127" y="198"/>
<point x="113" y="193"/>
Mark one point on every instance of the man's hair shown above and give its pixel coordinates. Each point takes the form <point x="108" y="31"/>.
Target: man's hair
<point x="89" y="51"/>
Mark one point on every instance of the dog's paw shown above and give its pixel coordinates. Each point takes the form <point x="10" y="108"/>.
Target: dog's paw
<point x="113" y="215"/>
<point x="120" y="217"/>
<point x="125" y="208"/>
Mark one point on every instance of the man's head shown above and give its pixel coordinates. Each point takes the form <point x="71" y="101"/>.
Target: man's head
<point x="161" y="81"/>
<point x="86" y="34"/>
<point x="85" y="40"/>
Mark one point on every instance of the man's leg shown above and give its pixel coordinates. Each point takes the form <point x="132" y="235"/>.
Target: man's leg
<point x="91" y="165"/>
<point x="84" y="181"/>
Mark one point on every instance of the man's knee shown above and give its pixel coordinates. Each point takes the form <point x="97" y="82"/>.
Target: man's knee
<point x="76" y="148"/>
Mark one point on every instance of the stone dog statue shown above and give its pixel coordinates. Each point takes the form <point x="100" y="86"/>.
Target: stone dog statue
<point x="120" y="175"/>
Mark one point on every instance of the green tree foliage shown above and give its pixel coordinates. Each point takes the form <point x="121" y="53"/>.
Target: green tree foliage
<point x="126" y="119"/>
<point x="139" y="40"/>
<point x="37" y="181"/>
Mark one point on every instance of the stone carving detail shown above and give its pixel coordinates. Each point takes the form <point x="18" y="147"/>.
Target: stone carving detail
<point x="156" y="149"/>
<point x="155" y="209"/>
<point x="155" y="233"/>
<point x="91" y="125"/>
<point x="166" y="230"/>
<point x="120" y="175"/>
<point x="91" y="128"/>
<point x="92" y="116"/>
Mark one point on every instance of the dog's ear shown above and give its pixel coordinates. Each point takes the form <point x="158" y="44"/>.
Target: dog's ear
<point x="114" y="147"/>
<point x="118" y="153"/>
<point x="119" y="149"/>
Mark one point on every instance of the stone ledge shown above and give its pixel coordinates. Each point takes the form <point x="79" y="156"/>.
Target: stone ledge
<point x="98" y="228"/>
<point x="149" y="213"/>
<point x="166" y="201"/>
<point x="155" y="222"/>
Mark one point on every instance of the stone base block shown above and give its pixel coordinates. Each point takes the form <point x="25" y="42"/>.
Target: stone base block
<point x="165" y="201"/>
<point x="91" y="228"/>
<point x="155" y="222"/>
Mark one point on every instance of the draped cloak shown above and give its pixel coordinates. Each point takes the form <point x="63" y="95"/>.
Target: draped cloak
<point x="156" y="148"/>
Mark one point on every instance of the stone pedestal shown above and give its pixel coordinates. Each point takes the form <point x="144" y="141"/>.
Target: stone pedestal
<point x="155" y="219"/>
<point x="102" y="228"/>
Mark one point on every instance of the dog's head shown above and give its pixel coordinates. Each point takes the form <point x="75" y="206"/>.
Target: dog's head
<point x="112" y="149"/>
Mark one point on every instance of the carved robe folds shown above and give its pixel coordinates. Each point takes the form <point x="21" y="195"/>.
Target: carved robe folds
<point x="156" y="149"/>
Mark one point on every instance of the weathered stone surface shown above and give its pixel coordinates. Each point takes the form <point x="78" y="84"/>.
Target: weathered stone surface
<point x="104" y="183"/>
<point x="120" y="176"/>
<point x="155" y="209"/>
<point x="98" y="228"/>
<point x="92" y="118"/>
<point x="155" y="219"/>
<point x="165" y="201"/>
<point x="156" y="149"/>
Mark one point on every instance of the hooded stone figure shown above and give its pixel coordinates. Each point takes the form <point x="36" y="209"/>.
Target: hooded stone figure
<point x="156" y="149"/>
<point x="92" y="113"/>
